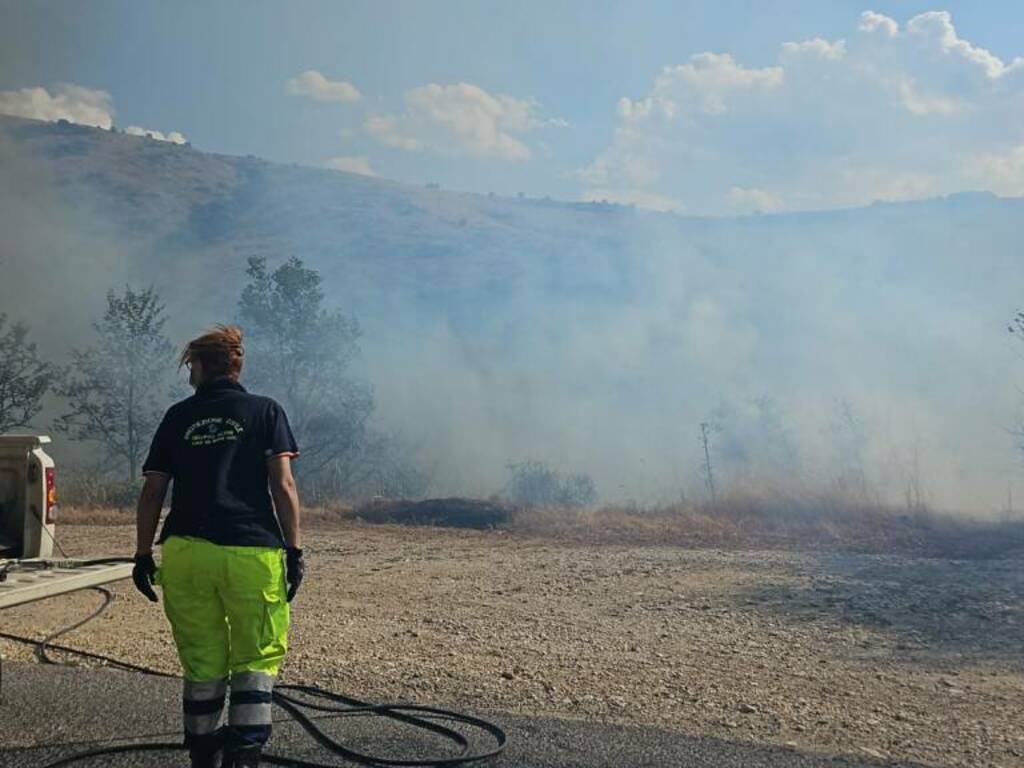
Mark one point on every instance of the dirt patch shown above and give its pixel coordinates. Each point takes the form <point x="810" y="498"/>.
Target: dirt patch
<point x="914" y="659"/>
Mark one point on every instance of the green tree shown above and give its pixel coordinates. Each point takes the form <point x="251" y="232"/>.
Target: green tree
<point x="24" y="376"/>
<point x="299" y="352"/>
<point x="112" y="387"/>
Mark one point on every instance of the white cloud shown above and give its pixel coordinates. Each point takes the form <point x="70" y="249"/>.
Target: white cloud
<point x="174" y="137"/>
<point x="816" y="47"/>
<point x="891" y="112"/>
<point x="635" y="170"/>
<point x="73" y="103"/>
<point x="76" y="104"/>
<point x="387" y="131"/>
<point x="936" y="33"/>
<point x="924" y="104"/>
<point x="706" y="84"/>
<point x="1001" y="172"/>
<point x="460" y="119"/>
<point x="753" y="200"/>
<point x="872" y="22"/>
<point x="352" y="164"/>
<point x="864" y="182"/>
<point x="314" y="85"/>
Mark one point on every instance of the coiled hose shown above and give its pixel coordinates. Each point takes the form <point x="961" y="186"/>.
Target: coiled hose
<point x="309" y="698"/>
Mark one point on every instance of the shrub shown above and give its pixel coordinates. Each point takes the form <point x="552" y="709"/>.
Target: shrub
<point x="533" y="483"/>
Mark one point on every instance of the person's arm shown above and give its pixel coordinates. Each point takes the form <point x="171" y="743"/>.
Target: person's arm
<point x="158" y="469"/>
<point x="147" y="514"/>
<point x="286" y="498"/>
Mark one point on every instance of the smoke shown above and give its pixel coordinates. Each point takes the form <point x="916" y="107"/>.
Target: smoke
<point x="829" y="352"/>
<point x="861" y="350"/>
<point x="57" y="260"/>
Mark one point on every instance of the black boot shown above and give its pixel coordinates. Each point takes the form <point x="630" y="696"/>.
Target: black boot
<point x="242" y="758"/>
<point x="206" y="751"/>
<point x="205" y="757"/>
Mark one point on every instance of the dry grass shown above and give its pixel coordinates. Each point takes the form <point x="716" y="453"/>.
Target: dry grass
<point x="739" y="521"/>
<point x="97" y="515"/>
<point x="745" y="521"/>
<point x="90" y="515"/>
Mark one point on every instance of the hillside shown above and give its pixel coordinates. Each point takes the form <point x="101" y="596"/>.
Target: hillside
<point x="592" y="336"/>
<point x="166" y="202"/>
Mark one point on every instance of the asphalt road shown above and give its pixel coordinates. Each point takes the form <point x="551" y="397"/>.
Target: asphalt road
<point x="49" y="712"/>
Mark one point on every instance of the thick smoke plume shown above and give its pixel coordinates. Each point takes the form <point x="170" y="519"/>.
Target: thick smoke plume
<point x="862" y="350"/>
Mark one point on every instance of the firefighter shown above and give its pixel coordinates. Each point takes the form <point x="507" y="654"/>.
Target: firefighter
<point x="231" y="560"/>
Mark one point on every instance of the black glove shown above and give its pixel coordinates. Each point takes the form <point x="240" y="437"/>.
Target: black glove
<point x="142" y="575"/>
<point x="295" y="570"/>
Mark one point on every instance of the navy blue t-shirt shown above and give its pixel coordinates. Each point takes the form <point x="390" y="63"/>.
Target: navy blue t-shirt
<point x="215" y="446"/>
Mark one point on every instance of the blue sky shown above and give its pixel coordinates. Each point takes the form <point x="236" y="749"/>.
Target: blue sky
<point x="566" y="99"/>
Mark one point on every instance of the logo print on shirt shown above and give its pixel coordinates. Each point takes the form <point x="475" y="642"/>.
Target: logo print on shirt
<point x="213" y="430"/>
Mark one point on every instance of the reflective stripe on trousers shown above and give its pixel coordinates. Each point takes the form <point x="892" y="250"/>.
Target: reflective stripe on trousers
<point x="249" y="715"/>
<point x="249" y="710"/>
<point x="202" y="703"/>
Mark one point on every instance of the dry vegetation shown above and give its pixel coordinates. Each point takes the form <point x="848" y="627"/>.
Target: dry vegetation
<point x="745" y="522"/>
<point x="69" y="515"/>
<point x="737" y="522"/>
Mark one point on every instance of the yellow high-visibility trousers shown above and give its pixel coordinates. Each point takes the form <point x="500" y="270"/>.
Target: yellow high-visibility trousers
<point x="229" y="618"/>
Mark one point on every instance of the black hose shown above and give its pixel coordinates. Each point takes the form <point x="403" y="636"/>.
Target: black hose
<point x="108" y="598"/>
<point x="423" y="717"/>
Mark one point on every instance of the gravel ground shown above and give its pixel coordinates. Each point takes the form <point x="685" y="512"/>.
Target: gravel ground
<point x="883" y="657"/>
